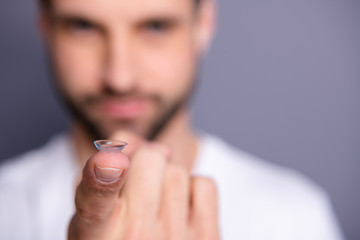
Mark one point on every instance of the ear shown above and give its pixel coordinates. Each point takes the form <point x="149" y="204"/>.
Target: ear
<point x="206" y="25"/>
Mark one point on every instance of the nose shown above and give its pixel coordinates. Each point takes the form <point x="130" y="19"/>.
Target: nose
<point x="118" y="70"/>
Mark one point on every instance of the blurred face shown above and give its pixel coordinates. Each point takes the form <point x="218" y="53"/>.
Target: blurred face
<point x="124" y="64"/>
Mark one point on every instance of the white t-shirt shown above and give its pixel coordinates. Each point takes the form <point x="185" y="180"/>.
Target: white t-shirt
<point x="258" y="200"/>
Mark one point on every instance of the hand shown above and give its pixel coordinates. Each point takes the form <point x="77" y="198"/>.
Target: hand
<point x="157" y="200"/>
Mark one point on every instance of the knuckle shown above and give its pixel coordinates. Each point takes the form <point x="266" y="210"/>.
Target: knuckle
<point x="176" y="175"/>
<point x="88" y="215"/>
<point x="136" y="230"/>
<point x="205" y="186"/>
<point x="98" y="190"/>
<point x="159" y="147"/>
<point x="150" y="153"/>
<point x="90" y="209"/>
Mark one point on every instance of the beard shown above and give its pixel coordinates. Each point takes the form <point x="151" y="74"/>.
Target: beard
<point x="166" y="110"/>
<point x="96" y="129"/>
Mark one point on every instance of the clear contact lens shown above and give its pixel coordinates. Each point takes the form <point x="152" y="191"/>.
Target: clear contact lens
<point x="110" y="145"/>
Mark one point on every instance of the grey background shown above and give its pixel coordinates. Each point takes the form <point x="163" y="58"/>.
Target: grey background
<point x="281" y="81"/>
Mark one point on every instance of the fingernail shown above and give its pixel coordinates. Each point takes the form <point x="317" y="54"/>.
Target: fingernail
<point x="108" y="174"/>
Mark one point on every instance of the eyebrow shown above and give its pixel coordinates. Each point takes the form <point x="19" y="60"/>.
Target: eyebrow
<point x="65" y="17"/>
<point x="171" y="19"/>
<point x="174" y="20"/>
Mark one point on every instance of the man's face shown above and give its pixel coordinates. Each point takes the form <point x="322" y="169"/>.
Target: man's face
<point x="124" y="64"/>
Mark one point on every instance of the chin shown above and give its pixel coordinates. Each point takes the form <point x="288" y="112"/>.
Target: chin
<point x="127" y="127"/>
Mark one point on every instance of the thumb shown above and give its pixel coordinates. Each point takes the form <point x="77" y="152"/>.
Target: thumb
<point x="97" y="196"/>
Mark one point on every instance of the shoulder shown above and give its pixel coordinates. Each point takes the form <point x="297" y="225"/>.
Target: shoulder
<point x="35" y="187"/>
<point x="264" y="195"/>
<point x="236" y="164"/>
<point x="34" y="164"/>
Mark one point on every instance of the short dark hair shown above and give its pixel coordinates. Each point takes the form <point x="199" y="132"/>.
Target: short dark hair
<point x="46" y="4"/>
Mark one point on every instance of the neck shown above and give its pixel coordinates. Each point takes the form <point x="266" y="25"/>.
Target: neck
<point x="177" y="135"/>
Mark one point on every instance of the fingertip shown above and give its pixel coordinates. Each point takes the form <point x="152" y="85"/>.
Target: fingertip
<point x="108" y="175"/>
<point x="105" y="169"/>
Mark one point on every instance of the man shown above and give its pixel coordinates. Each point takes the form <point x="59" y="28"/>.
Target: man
<point x="125" y="70"/>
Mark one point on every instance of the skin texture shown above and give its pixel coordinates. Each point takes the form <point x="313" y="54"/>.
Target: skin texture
<point x="153" y="203"/>
<point x="126" y="69"/>
<point x="109" y="53"/>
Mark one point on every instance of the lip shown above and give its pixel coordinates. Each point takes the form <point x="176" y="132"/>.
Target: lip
<point x="124" y="109"/>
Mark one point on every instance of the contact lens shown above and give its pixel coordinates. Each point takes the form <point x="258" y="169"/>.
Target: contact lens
<point x="110" y="145"/>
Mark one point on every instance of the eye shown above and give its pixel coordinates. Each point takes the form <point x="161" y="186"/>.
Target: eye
<point x="79" y="25"/>
<point x="157" y="26"/>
